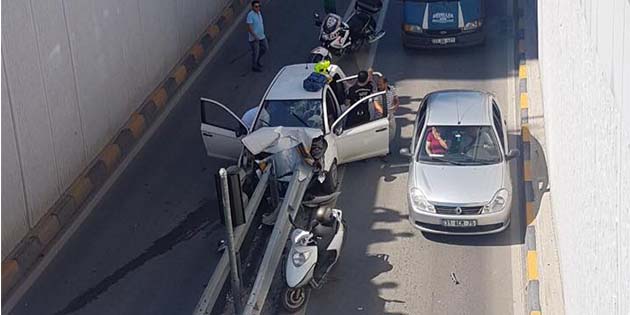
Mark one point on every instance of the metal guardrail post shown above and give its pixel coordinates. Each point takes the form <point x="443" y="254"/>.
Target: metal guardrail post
<point x="273" y="187"/>
<point x="219" y="276"/>
<point x="227" y="213"/>
<point x="273" y="252"/>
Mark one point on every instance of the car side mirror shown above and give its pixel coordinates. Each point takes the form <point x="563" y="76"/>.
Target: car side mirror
<point x="405" y="152"/>
<point x="338" y="130"/>
<point x="512" y="154"/>
<point x="240" y="131"/>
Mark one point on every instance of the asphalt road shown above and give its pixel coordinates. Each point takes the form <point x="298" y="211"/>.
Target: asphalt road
<point x="388" y="267"/>
<point x="149" y="245"/>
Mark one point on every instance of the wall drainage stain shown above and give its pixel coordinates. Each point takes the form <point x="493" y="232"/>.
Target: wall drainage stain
<point x="194" y="222"/>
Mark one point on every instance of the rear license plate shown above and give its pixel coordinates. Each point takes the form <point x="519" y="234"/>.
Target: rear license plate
<point x="444" y="41"/>
<point x="459" y="223"/>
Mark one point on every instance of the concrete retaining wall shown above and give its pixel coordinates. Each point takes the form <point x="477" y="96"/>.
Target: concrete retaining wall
<point x="72" y="73"/>
<point x="584" y="52"/>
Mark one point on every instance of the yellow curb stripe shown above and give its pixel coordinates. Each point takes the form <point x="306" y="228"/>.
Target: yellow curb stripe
<point x="47" y="229"/>
<point x="213" y="31"/>
<point x="527" y="170"/>
<point x="10" y="270"/>
<point x="228" y="13"/>
<point x="532" y="265"/>
<point x="535" y="313"/>
<point x="522" y="72"/>
<point x="136" y="125"/>
<point x="110" y="156"/>
<point x="524" y="101"/>
<point x="197" y="51"/>
<point x="159" y="97"/>
<point x="525" y="135"/>
<point x="180" y="74"/>
<point x="529" y="213"/>
<point x="80" y="189"/>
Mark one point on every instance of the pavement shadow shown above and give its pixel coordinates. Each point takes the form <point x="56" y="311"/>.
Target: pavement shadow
<point x="537" y="181"/>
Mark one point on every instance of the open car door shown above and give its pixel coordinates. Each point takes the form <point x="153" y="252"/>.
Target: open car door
<point x="364" y="140"/>
<point x="221" y="130"/>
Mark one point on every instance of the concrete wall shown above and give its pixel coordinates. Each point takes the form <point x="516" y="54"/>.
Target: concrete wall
<point x="584" y="52"/>
<point x="72" y="72"/>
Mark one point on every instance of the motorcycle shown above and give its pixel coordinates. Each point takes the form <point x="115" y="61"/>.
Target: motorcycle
<point x="341" y="37"/>
<point x="314" y="251"/>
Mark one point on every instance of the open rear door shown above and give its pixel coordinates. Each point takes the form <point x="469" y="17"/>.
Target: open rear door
<point x="364" y="140"/>
<point x="221" y="130"/>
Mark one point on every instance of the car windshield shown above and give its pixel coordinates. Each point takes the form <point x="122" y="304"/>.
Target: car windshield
<point x="460" y="145"/>
<point x="291" y="113"/>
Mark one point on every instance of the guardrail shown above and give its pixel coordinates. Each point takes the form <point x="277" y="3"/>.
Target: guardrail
<point x="220" y="274"/>
<point x="293" y="198"/>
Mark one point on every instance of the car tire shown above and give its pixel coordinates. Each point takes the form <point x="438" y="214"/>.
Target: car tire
<point x="331" y="183"/>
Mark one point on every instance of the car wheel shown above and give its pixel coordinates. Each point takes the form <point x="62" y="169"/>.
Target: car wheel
<point x="331" y="182"/>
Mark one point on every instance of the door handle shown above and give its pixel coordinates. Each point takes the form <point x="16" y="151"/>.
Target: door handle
<point x="382" y="129"/>
<point x="207" y="134"/>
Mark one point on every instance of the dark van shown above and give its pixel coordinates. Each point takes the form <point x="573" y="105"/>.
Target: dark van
<point x="443" y="23"/>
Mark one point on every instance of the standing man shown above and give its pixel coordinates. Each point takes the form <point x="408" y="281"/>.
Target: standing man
<point x="391" y="101"/>
<point x="256" y="32"/>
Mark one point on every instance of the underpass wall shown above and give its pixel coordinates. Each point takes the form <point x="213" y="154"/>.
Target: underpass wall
<point x="72" y="73"/>
<point x="584" y="54"/>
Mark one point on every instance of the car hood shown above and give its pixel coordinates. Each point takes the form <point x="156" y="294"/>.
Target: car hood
<point x="453" y="184"/>
<point x="442" y="15"/>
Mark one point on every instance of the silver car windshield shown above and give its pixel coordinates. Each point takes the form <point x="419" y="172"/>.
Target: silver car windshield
<point x="460" y="145"/>
<point x="291" y="113"/>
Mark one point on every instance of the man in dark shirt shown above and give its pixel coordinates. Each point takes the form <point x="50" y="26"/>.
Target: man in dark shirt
<point x="362" y="88"/>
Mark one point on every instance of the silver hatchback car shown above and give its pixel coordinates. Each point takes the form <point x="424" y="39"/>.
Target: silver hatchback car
<point x="459" y="178"/>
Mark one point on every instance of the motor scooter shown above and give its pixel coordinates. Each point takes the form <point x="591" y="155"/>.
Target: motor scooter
<point x="338" y="37"/>
<point x="314" y="251"/>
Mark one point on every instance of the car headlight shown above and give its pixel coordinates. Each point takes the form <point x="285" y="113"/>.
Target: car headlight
<point x="300" y="258"/>
<point x="498" y="203"/>
<point x="419" y="201"/>
<point x="412" y="28"/>
<point x="472" y="25"/>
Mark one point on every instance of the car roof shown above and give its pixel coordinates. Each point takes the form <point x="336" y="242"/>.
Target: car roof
<point x="287" y="85"/>
<point x="458" y="107"/>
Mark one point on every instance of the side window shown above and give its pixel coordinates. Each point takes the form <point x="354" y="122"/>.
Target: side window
<point x="496" y="119"/>
<point x="331" y="107"/>
<point x="338" y="88"/>
<point x="420" y="119"/>
<point x="215" y="115"/>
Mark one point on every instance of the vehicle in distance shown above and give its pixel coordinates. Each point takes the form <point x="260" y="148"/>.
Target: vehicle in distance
<point x="459" y="178"/>
<point x="443" y="23"/>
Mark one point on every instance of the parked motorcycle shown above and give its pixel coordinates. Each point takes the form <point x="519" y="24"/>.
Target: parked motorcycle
<point x="338" y="37"/>
<point x="314" y="251"/>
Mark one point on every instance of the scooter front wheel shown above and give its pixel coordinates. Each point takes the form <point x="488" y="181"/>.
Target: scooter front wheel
<point x="294" y="299"/>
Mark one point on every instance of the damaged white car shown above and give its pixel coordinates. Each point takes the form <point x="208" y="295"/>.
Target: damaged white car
<point x="287" y="104"/>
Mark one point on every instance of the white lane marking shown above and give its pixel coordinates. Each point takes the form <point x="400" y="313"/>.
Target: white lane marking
<point x="349" y="9"/>
<point x="379" y="26"/>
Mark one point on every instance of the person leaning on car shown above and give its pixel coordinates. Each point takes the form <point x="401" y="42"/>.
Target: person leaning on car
<point x="362" y="88"/>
